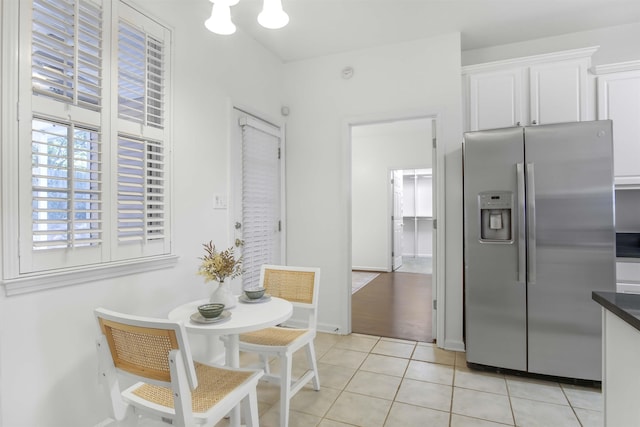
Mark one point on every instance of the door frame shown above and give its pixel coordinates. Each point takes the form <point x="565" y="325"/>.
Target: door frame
<point x="438" y="290"/>
<point x="392" y="240"/>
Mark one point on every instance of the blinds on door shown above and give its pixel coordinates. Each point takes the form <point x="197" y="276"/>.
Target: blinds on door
<point x="260" y="198"/>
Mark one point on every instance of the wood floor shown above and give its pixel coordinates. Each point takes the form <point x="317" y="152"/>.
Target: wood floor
<point x="394" y="305"/>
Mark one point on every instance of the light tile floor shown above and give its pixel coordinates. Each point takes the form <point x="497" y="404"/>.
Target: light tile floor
<point x="372" y="381"/>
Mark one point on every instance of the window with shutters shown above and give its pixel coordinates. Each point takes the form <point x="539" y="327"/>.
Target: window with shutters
<point x="96" y="137"/>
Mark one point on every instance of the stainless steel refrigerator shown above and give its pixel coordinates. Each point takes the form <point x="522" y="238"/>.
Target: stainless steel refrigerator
<point x="539" y="238"/>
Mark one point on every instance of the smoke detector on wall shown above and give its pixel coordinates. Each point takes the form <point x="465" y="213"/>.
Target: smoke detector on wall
<point x="347" y="73"/>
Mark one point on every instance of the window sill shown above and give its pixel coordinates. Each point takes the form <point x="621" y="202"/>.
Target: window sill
<point x="39" y="282"/>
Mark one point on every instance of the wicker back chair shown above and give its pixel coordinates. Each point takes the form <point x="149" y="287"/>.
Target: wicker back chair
<point x="299" y="285"/>
<point x="171" y="387"/>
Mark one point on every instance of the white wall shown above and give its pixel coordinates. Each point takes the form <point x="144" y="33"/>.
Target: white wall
<point x="375" y="152"/>
<point x="617" y="44"/>
<point x="391" y="80"/>
<point x="48" y="364"/>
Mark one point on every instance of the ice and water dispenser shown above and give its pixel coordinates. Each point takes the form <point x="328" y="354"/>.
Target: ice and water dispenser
<point x="495" y="211"/>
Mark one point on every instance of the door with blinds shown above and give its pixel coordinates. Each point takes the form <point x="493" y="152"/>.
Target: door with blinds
<point x="257" y="225"/>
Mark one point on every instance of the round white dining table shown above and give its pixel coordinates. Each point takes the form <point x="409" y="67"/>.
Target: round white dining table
<point x="245" y="317"/>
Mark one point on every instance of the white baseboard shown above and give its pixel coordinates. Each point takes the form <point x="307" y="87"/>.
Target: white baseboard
<point x="454" y="345"/>
<point x="372" y="269"/>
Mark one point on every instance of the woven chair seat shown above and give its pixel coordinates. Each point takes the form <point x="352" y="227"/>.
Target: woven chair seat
<point x="213" y="385"/>
<point x="272" y="336"/>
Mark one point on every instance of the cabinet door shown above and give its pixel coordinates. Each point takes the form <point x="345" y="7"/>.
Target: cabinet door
<point x="558" y="91"/>
<point x="496" y="99"/>
<point x="619" y="100"/>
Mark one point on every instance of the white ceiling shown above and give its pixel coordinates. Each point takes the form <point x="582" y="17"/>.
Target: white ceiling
<point x="322" y="27"/>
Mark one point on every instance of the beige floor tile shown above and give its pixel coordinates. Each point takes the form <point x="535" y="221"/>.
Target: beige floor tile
<point x="296" y="419"/>
<point x="385" y="365"/>
<point x="483" y="405"/>
<point x="299" y="419"/>
<point x="374" y="384"/>
<point x="403" y="415"/>
<point x="531" y="413"/>
<point x="462" y="421"/>
<point x="268" y="392"/>
<point x="342" y="357"/>
<point x="334" y="376"/>
<point x="299" y="364"/>
<point x="532" y="389"/>
<point x="589" y="418"/>
<point x="330" y="423"/>
<point x="398" y="340"/>
<point x="324" y="340"/>
<point x="428" y="395"/>
<point x="461" y="358"/>
<point x="431" y="372"/>
<point x="583" y="397"/>
<point x="394" y="348"/>
<point x="481" y="381"/>
<point x="360" y="410"/>
<point x="356" y="342"/>
<point x="431" y="353"/>
<point x="313" y="402"/>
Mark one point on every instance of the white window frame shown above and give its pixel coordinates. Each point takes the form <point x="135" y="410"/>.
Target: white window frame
<point x="15" y="161"/>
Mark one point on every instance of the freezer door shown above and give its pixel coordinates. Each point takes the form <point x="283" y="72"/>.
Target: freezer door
<point x="495" y="297"/>
<point x="571" y="245"/>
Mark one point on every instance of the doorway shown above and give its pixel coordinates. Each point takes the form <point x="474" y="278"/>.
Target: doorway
<point x="406" y="297"/>
<point x="412" y="220"/>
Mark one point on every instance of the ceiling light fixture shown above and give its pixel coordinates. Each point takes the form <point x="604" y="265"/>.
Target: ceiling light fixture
<point x="220" y="20"/>
<point x="272" y="16"/>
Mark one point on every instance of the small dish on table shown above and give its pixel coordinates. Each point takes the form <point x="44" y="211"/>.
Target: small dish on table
<point x="246" y="299"/>
<point x="199" y="318"/>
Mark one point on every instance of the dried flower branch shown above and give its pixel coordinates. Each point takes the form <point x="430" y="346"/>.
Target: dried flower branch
<point x="219" y="265"/>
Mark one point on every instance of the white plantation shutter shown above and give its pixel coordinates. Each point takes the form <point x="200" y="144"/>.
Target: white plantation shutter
<point x="141" y="62"/>
<point x="65" y="74"/>
<point x="66" y="51"/>
<point x="142" y="189"/>
<point x="141" y="183"/>
<point x="93" y="181"/>
<point x="66" y="185"/>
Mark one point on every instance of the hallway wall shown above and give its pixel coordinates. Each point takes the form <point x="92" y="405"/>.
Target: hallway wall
<point x="376" y="150"/>
<point x="415" y="78"/>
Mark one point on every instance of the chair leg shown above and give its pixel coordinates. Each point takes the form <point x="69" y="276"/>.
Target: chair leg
<point x="264" y="360"/>
<point x="250" y="409"/>
<point x="311" y="359"/>
<point x="285" y="388"/>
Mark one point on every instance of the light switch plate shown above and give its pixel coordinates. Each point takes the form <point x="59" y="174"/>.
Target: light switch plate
<point x="219" y="201"/>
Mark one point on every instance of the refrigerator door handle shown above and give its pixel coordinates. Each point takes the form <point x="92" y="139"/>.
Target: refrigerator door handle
<point x="531" y="224"/>
<point x="522" y="248"/>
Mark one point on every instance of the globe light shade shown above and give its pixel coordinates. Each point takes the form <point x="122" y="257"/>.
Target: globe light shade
<point x="272" y="15"/>
<point x="220" y="20"/>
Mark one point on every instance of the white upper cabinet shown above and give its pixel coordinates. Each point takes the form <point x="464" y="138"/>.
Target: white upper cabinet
<point x="558" y="91"/>
<point x="539" y="89"/>
<point x="496" y="99"/>
<point x="619" y="100"/>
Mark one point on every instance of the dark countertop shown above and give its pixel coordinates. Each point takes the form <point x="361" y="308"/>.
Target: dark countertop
<point x="625" y="306"/>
